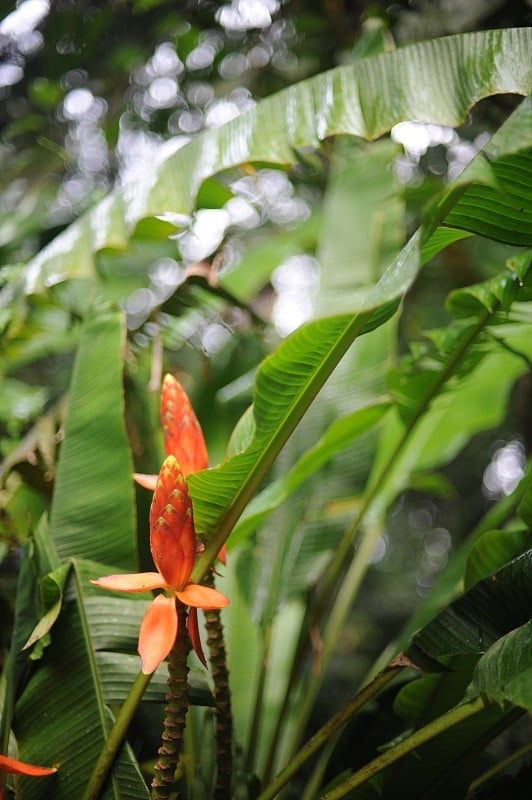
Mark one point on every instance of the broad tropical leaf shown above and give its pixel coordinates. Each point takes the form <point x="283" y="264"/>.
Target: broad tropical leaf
<point x="436" y="81"/>
<point x="504" y="672"/>
<point x="474" y="622"/>
<point x="66" y="721"/>
<point x="92" y="513"/>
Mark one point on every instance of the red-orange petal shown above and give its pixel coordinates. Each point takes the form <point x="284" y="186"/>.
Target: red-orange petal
<point x="172" y="538"/>
<point x="222" y="554"/>
<point x="136" y="582"/>
<point x="158" y="631"/>
<point x="202" y="597"/>
<point x="183" y="437"/>
<point x="194" y="634"/>
<point x="147" y="481"/>
<point x="15" y="767"/>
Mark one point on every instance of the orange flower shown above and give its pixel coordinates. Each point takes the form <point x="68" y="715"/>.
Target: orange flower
<point x="183" y="437"/>
<point x="173" y="548"/>
<point x="15" y="767"/>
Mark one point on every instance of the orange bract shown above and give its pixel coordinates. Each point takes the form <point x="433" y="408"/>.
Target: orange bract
<point x="173" y="547"/>
<point x="172" y="538"/>
<point x="15" y="767"/>
<point x="182" y="433"/>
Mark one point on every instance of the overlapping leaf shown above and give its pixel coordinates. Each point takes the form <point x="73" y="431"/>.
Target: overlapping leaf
<point x="92" y="513"/>
<point x="436" y="81"/>
<point x="61" y="716"/>
<point x="289" y="379"/>
<point x="488" y="611"/>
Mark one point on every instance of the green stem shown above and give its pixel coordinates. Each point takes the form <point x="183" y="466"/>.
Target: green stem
<point x="416" y="739"/>
<point x="259" y="698"/>
<point x="116" y="737"/>
<point x="334" y="724"/>
<point x="499" y="768"/>
<point x="353" y="578"/>
<point x="335" y="567"/>
<point x="176" y="711"/>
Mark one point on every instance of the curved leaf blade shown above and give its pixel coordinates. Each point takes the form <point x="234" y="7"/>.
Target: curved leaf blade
<point x="66" y="720"/>
<point x="436" y="81"/>
<point x="287" y="382"/>
<point x="505" y="671"/>
<point x="474" y="622"/>
<point x="92" y="513"/>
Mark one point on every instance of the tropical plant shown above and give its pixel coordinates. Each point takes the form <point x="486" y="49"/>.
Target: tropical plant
<point x="337" y="422"/>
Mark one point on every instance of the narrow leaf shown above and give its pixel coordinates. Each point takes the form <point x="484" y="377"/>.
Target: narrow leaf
<point x="92" y="513"/>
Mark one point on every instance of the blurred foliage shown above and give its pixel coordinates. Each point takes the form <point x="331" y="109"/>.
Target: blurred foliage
<point x="90" y="92"/>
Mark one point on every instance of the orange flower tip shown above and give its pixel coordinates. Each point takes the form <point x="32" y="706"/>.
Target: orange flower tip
<point x="15" y="767"/>
<point x="146" y="481"/>
<point x="204" y="597"/>
<point x="135" y="582"/>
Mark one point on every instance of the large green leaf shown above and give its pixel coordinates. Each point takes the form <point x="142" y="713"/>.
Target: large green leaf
<point x="290" y="378"/>
<point x="287" y="383"/>
<point x="436" y="81"/>
<point x="61" y="716"/>
<point x="338" y="436"/>
<point x="488" y="611"/>
<point x="92" y="513"/>
<point x="505" y="671"/>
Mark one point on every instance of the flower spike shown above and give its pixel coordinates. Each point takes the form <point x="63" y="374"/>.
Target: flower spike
<point x="182" y="433"/>
<point x="173" y="548"/>
<point x="183" y="437"/>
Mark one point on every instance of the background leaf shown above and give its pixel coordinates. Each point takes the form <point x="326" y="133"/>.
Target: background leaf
<point x="66" y="721"/>
<point x="92" y="514"/>
<point x="504" y="672"/>
<point x="475" y="621"/>
<point x="436" y="81"/>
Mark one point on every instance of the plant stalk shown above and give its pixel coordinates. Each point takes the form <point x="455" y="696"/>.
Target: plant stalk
<point x="116" y="737"/>
<point x="359" y="564"/>
<point x="416" y="739"/>
<point x="334" y="724"/>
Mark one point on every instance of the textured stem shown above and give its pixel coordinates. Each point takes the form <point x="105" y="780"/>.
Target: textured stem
<point x="222" y="698"/>
<point x="176" y="710"/>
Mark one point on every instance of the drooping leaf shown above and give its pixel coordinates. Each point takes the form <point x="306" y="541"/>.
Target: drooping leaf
<point x="65" y="721"/>
<point x="504" y="672"/>
<point x="488" y="611"/>
<point x="502" y="211"/>
<point x="436" y="81"/>
<point x="286" y="384"/>
<point x="492" y="551"/>
<point x="52" y="587"/>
